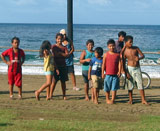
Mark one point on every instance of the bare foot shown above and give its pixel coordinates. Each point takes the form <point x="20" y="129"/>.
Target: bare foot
<point x="130" y="102"/>
<point x="37" y="95"/>
<point x="109" y="102"/>
<point x="47" y="98"/>
<point x="64" y="98"/>
<point x="145" y="102"/>
<point x="95" y="102"/>
<point x="87" y="99"/>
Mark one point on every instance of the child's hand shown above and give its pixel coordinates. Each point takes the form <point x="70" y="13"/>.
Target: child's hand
<point x="8" y="63"/>
<point x="119" y="74"/>
<point x="128" y="76"/>
<point x="136" y="58"/>
<point x="57" y="71"/>
<point x="89" y="77"/>
<point x="103" y="76"/>
<point x="88" y="60"/>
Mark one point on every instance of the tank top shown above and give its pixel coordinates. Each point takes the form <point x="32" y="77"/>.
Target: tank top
<point x="112" y="61"/>
<point x="85" y="66"/>
<point x="49" y="63"/>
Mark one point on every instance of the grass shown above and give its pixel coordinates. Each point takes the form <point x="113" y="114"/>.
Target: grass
<point x="45" y="120"/>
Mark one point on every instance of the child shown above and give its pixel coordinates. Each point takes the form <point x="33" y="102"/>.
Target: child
<point x="69" y="61"/>
<point x="85" y="59"/>
<point x="49" y="67"/>
<point x="16" y="59"/>
<point x="95" y="73"/>
<point x="120" y="42"/>
<point x="112" y="66"/>
<point x="60" y="53"/>
<point x="133" y="71"/>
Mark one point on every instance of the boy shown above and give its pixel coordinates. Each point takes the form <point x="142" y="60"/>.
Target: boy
<point x="16" y="59"/>
<point x="85" y="59"/>
<point x="95" y="73"/>
<point x="120" y="42"/>
<point x="69" y="61"/>
<point x="112" y="66"/>
<point x="133" y="71"/>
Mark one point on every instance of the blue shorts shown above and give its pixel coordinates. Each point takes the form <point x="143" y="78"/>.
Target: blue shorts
<point x="48" y="73"/>
<point x="111" y="82"/>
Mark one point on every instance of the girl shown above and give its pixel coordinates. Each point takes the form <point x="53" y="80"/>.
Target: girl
<point x="49" y="66"/>
<point x="60" y="53"/>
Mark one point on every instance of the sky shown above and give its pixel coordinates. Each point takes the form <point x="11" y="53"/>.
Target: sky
<point x="131" y="12"/>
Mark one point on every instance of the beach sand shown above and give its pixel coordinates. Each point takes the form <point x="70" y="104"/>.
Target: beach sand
<point x="75" y="99"/>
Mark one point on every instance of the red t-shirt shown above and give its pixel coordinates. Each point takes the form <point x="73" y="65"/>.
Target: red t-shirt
<point x="15" y="59"/>
<point x="59" y="59"/>
<point x="112" y="61"/>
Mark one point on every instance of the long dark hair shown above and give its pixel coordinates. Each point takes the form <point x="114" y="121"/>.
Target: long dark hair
<point x="46" y="45"/>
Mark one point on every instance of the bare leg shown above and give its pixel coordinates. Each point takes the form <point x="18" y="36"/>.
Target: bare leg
<point x="130" y="93"/>
<point x="11" y="91"/>
<point x="113" y="96"/>
<point x="48" y="93"/>
<point x="108" y="101"/>
<point x="20" y="92"/>
<point x="63" y="85"/>
<point x="143" y="97"/>
<point x="45" y="85"/>
<point x="86" y="88"/>
<point x="92" y="96"/>
<point x="95" y="95"/>
<point x="53" y="85"/>
<point x="73" y="79"/>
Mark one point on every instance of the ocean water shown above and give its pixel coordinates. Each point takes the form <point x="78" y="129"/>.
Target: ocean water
<point x="146" y="37"/>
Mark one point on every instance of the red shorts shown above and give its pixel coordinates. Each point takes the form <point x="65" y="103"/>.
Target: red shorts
<point x="15" y="78"/>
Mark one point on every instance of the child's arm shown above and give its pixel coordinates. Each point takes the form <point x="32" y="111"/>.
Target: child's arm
<point x="89" y="72"/>
<point x="140" y="53"/>
<point x="82" y="58"/>
<point x="119" y="68"/>
<point x="72" y="47"/>
<point x="5" y="61"/>
<point x="124" y="67"/>
<point x="104" y="64"/>
<point x="23" y="59"/>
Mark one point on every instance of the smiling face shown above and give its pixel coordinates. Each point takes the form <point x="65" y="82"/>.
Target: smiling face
<point x="59" y="40"/>
<point x="89" y="46"/>
<point x="15" y="44"/>
<point x="111" y="47"/>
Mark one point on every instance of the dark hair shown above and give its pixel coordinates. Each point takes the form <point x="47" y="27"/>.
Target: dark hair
<point x="99" y="50"/>
<point x="90" y="41"/>
<point x="128" y="37"/>
<point x="110" y="41"/>
<point x="122" y="33"/>
<point x="59" y="34"/>
<point x="46" y="45"/>
<point x="15" y="38"/>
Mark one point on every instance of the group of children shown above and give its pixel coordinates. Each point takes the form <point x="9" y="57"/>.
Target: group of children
<point x="98" y="69"/>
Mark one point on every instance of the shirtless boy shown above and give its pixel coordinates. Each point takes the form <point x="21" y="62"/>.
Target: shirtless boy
<point x="133" y="72"/>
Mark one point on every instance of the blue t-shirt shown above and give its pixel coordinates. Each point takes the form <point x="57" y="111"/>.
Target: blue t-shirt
<point x="96" y="66"/>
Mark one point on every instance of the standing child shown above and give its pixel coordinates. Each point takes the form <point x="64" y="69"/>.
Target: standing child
<point x="60" y="53"/>
<point x="69" y="61"/>
<point x="49" y="67"/>
<point x="95" y="73"/>
<point x="112" y="66"/>
<point x="133" y="71"/>
<point x="16" y="59"/>
<point x="85" y="59"/>
<point x="120" y="42"/>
